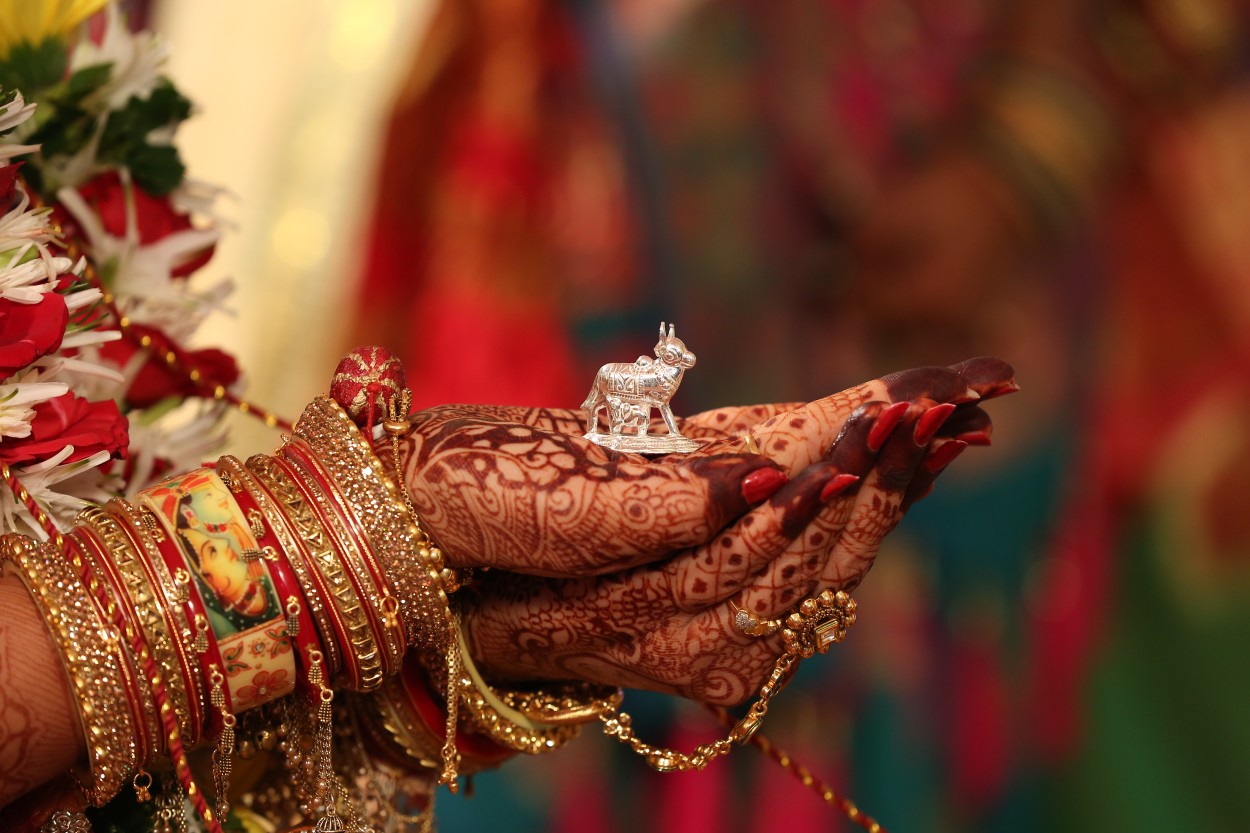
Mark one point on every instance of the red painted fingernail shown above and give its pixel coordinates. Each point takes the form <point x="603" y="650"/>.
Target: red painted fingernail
<point x="943" y="454"/>
<point x="979" y="437"/>
<point x="886" y="422"/>
<point x="761" y="484"/>
<point x="930" y="421"/>
<point x="837" y="485"/>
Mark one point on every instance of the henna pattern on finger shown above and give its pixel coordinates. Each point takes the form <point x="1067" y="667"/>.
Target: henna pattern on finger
<point x="619" y="630"/>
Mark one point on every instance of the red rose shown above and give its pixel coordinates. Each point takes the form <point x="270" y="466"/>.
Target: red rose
<point x="28" y="331"/>
<point x="8" y="179"/>
<point x="156" y="217"/>
<point x="156" y="380"/>
<point x="70" y="420"/>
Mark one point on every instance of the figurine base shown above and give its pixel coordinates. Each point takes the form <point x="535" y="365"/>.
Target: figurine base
<point x="645" y="444"/>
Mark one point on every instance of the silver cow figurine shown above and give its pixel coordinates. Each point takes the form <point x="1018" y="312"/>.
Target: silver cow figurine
<point x="629" y="391"/>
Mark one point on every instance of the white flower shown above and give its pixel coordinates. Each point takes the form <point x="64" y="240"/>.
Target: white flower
<point x="183" y="439"/>
<point x="135" y="59"/>
<point x="13" y="115"/>
<point x="90" y="375"/>
<point x="17" y="401"/>
<point x="143" y="275"/>
<point x="28" y="268"/>
<point x="15" y="112"/>
<point x="62" y="490"/>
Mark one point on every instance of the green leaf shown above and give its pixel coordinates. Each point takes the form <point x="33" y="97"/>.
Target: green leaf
<point x="157" y="169"/>
<point x="33" y="68"/>
<point x="86" y="81"/>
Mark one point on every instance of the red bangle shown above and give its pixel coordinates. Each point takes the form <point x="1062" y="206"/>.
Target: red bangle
<point x="362" y="659"/>
<point x="98" y="562"/>
<point x="476" y="751"/>
<point x="356" y="554"/>
<point x="232" y="586"/>
<point x="150" y="543"/>
<point x="84" y="549"/>
<point x="299" y="621"/>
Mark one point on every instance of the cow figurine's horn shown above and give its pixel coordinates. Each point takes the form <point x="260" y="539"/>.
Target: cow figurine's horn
<point x="661" y="329"/>
<point x="672" y="330"/>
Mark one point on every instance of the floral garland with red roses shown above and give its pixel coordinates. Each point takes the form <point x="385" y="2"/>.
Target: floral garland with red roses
<point x="100" y="234"/>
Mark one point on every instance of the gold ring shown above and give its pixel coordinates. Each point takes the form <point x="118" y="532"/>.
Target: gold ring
<point x="751" y="626"/>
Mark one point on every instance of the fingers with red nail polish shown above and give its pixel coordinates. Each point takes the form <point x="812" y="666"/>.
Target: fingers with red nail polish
<point x="930" y="421"/>
<point x="765" y="533"/>
<point x="885" y="424"/>
<point x="761" y="484"/>
<point x="838" y="484"/>
<point x="943" y="455"/>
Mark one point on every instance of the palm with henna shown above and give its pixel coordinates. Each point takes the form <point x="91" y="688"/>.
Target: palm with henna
<point x="619" y="569"/>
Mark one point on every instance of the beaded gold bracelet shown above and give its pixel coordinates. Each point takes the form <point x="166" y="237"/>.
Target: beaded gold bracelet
<point x="91" y="656"/>
<point x="85" y="551"/>
<point x="491" y="714"/>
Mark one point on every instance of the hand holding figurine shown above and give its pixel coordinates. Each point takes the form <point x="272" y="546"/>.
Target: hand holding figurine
<point x="616" y="568"/>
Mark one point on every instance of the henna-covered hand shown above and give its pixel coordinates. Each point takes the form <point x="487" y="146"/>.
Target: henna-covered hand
<point x="633" y="563"/>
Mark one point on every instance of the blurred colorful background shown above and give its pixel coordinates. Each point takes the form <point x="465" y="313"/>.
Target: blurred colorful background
<point x="815" y="191"/>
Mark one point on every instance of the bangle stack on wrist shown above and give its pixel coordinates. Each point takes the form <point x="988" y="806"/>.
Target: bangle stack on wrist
<point x="215" y="593"/>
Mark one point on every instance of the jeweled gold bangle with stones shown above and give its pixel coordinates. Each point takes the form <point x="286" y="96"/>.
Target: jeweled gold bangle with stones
<point x="234" y="473"/>
<point x="362" y="658"/>
<point x="364" y="633"/>
<point x="124" y="572"/>
<point x="407" y="556"/>
<point x="86" y="552"/>
<point x="355" y="555"/>
<point x="186" y="676"/>
<point x="91" y="656"/>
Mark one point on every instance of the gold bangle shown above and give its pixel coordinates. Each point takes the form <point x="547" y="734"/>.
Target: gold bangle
<point x="354" y="555"/>
<point x="367" y="673"/>
<point x="185" y="680"/>
<point x="87" y="555"/>
<point x="136" y="601"/>
<point x="404" y="550"/>
<point x="234" y="473"/>
<point x="384" y="715"/>
<point x="490" y="714"/>
<point x="91" y="656"/>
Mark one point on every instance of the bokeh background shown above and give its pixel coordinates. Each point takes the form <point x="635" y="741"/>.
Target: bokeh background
<point x="511" y="192"/>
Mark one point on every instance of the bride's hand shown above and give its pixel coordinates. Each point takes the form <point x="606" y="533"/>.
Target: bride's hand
<point x="633" y="563"/>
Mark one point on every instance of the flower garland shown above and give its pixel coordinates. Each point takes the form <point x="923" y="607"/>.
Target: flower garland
<point x="100" y="233"/>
